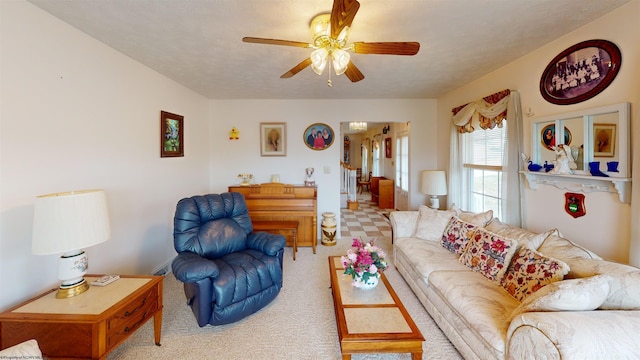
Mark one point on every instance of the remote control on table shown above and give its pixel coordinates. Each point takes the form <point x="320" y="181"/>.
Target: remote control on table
<point x="105" y="280"/>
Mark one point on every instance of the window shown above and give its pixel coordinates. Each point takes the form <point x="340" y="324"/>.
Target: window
<point x="483" y="152"/>
<point x="376" y="159"/>
<point x="402" y="162"/>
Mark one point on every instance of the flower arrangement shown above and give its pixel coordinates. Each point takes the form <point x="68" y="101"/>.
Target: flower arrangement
<point x="363" y="261"/>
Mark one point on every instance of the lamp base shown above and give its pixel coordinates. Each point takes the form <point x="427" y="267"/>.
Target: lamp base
<point x="434" y="202"/>
<point x="67" y="291"/>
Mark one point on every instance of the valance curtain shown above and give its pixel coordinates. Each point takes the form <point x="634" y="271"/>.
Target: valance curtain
<point x="484" y="114"/>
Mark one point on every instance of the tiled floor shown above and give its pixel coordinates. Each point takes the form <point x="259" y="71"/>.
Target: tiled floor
<point x="366" y="222"/>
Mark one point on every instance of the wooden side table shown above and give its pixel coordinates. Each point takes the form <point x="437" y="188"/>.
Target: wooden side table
<point x="89" y="325"/>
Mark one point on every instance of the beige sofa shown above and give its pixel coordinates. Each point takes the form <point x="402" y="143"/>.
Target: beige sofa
<point x="591" y="312"/>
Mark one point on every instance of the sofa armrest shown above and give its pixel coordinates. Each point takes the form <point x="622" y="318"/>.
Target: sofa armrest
<point x="574" y="335"/>
<point x="266" y="242"/>
<point x="403" y="223"/>
<point x="189" y="267"/>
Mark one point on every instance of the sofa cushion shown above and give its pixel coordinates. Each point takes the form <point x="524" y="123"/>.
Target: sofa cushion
<point x="480" y="219"/>
<point x="427" y="256"/>
<point x="431" y="223"/>
<point x="482" y="305"/>
<point x="456" y="235"/>
<point x="624" y="284"/>
<point x="522" y="236"/>
<point x="489" y="254"/>
<point x="568" y="295"/>
<point x="529" y="271"/>
<point x="566" y="250"/>
<point x="25" y="350"/>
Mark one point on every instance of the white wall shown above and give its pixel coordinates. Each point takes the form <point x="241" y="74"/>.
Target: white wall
<point x="607" y="228"/>
<point x="76" y="114"/>
<point x="229" y="158"/>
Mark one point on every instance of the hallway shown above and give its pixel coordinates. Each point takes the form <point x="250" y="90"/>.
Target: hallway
<point x="366" y="222"/>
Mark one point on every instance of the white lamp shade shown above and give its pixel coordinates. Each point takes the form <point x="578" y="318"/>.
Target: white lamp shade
<point x="434" y="182"/>
<point x="319" y="60"/>
<point x="68" y="221"/>
<point x="341" y="60"/>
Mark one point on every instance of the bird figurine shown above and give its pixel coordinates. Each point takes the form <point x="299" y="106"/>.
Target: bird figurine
<point x="534" y="167"/>
<point x="547" y="166"/>
<point x="234" y="134"/>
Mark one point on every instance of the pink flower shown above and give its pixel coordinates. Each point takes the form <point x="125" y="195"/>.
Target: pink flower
<point x="373" y="269"/>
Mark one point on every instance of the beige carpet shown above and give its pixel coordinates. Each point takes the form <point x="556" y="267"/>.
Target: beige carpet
<point x="298" y="324"/>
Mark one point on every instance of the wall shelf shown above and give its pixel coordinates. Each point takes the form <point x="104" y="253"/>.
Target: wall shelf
<point x="582" y="183"/>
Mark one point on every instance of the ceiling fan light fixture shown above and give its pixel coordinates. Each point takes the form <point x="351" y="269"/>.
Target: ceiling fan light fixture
<point x="341" y="60"/>
<point x="319" y="60"/>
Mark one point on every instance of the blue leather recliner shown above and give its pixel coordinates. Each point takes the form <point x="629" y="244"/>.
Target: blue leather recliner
<point x="228" y="271"/>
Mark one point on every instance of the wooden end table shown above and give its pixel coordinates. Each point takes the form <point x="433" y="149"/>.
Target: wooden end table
<point x="89" y="325"/>
<point x="371" y="321"/>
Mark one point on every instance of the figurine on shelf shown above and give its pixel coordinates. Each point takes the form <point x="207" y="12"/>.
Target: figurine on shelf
<point x="308" y="178"/>
<point x="547" y="167"/>
<point x="564" y="162"/>
<point x="594" y="169"/>
<point x="534" y="167"/>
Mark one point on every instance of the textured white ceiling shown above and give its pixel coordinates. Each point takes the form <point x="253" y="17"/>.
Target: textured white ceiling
<point x="198" y="43"/>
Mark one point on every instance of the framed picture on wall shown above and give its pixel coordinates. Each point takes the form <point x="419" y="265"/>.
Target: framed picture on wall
<point x="318" y="136"/>
<point x="171" y="134"/>
<point x="604" y="140"/>
<point x="387" y="148"/>
<point x="273" y="139"/>
<point x="580" y="72"/>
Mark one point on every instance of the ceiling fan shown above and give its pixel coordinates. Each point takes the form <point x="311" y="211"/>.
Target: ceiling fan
<point x="330" y="33"/>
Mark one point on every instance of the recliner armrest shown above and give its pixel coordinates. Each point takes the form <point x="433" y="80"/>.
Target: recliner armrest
<point x="189" y="267"/>
<point x="266" y="242"/>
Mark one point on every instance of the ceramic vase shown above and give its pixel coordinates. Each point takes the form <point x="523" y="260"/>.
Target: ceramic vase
<point x="371" y="283"/>
<point x="328" y="228"/>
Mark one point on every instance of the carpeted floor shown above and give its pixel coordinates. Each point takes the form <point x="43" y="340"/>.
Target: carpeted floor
<point x="299" y="324"/>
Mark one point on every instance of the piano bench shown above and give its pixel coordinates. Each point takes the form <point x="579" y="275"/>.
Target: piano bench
<point x="286" y="228"/>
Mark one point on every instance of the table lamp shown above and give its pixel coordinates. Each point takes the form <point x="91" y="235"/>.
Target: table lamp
<point x="434" y="184"/>
<point x="65" y="223"/>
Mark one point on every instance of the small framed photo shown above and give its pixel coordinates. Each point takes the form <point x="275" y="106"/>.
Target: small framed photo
<point x="604" y="140"/>
<point x="387" y="147"/>
<point x="318" y="136"/>
<point x="171" y="135"/>
<point x="273" y="139"/>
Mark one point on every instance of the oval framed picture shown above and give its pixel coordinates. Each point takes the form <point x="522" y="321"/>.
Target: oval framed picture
<point x="580" y="72"/>
<point x="318" y="136"/>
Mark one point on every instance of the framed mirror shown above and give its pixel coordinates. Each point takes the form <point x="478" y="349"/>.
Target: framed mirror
<point x="597" y="134"/>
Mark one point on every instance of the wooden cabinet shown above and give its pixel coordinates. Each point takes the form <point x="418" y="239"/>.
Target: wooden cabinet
<point x="282" y="202"/>
<point x="89" y="325"/>
<point x="382" y="192"/>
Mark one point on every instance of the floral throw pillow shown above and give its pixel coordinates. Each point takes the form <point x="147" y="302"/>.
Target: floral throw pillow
<point x="530" y="271"/>
<point x="489" y="254"/>
<point x="456" y="235"/>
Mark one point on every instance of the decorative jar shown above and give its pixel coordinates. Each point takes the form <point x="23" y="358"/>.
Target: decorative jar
<point x="328" y="228"/>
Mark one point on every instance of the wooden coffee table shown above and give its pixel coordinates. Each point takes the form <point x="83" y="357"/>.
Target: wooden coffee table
<point x="371" y="321"/>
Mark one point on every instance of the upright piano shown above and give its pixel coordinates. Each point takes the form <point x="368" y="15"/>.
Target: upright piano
<point x="284" y="202"/>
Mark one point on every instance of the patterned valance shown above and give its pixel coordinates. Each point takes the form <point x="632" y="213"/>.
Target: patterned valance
<point x="485" y="113"/>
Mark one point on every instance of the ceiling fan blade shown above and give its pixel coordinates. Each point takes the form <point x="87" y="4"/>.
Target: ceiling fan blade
<point x="275" y="42"/>
<point x="296" y="69"/>
<point x="386" y="48"/>
<point x="353" y="73"/>
<point x="342" y="15"/>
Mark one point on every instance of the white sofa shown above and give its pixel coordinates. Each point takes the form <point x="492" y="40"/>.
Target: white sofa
<point x="594" y="313"/>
